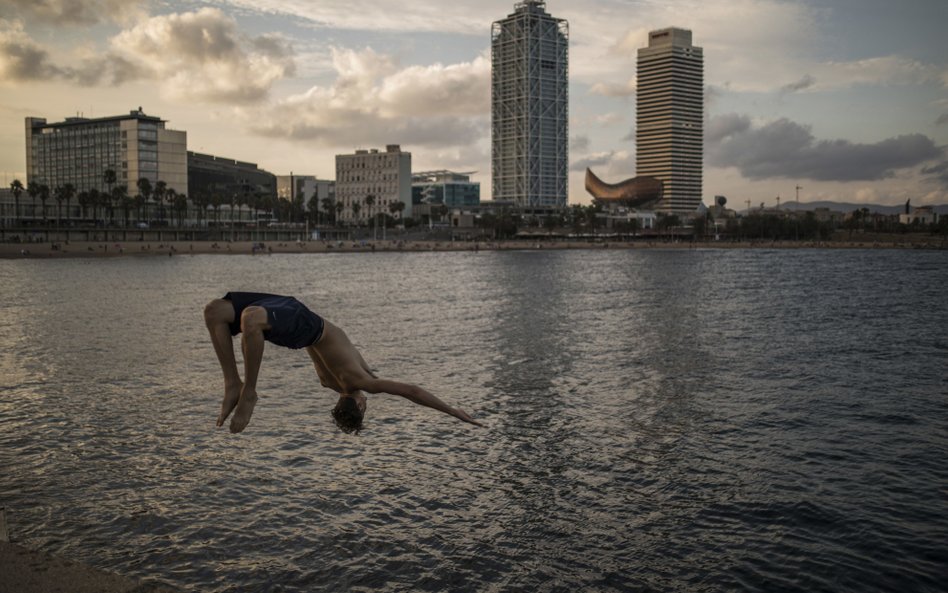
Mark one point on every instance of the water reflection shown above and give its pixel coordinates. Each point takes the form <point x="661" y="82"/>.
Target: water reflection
<point x="657" y="420"/>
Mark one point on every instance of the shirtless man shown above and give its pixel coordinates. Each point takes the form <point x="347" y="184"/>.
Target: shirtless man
<point x="287" y="322"/>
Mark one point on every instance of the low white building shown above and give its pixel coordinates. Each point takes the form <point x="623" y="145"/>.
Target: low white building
<point x="383" y="176"/>
<point x="923" y="214"/>
<point x="647" y="219"/>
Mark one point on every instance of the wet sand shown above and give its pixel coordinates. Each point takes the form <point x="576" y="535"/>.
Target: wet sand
<point x="185" y="248"/>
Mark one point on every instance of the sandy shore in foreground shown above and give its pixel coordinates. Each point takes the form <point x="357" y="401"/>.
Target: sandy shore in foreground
<point x="185" y="248"/>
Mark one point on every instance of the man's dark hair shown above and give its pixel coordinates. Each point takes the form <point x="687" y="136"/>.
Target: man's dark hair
<point x="347" y="416"/>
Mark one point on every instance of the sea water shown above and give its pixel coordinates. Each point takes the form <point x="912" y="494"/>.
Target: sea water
<point x="656" y="420"/>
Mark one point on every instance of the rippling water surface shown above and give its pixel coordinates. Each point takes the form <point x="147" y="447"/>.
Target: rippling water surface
<point x="656" y="421"/>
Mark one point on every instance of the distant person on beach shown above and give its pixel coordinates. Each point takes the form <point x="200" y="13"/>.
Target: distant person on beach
<point x="287" y="322"/>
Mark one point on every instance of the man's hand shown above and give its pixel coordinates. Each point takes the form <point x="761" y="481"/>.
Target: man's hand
<point x="462" y="415"/>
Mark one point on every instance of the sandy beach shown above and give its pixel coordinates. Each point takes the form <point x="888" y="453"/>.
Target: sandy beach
<point x="185" y="248"/>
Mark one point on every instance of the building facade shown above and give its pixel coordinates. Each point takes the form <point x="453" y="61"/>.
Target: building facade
<point x="385" y="176"/>
<point x="670" y="118"/>
<point x="530" y="107"/>
<point x="445" y="187"/>
<point x="79" y="150"/>
<point x="307" y="187"/>
<point x="209" y="175"/>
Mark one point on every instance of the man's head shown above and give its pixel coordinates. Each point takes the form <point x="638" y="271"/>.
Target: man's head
<point x="349" y="412"/>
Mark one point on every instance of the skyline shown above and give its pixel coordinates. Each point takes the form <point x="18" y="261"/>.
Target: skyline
<point x="850" y="101"/>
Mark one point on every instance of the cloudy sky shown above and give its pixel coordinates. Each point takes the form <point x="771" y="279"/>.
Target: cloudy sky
<point x="846" y="98"/>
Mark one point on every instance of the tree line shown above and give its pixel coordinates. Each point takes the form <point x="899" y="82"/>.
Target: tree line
<point x="159" y="202"/>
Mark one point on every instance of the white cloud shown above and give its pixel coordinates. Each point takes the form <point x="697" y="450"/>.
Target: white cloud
<point x="579" y="143"/>
<point x="609" y="119"/>
<point x="191" y="56"/>
<point x="201" y="55"/>
<point x="374" y="102"/>
<point x="370" y="15"/>
<point x="607" y="164"/>
<point x="626" y="89"/>
<point x="456" y="89"/>
<point x="77" y="12"/>
<point x="22" y="59"/>
<point x="880" y="71"/>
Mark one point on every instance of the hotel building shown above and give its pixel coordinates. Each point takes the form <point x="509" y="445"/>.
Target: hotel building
<point x="386" y="176"/>
<point x="79" y="150"/>
<point x="669" y="118"/>
<point x="530" y="107"/>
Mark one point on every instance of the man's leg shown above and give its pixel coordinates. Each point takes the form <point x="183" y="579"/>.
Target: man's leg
<point x="253" y="322"/>
<point x="217" y="315"/>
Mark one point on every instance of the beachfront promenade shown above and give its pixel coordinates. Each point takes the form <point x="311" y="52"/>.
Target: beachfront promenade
<point x="176" y="248"/>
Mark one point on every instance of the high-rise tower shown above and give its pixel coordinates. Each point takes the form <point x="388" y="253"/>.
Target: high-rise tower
<point x="670" y="116"/>
<point x="530" y="107"/>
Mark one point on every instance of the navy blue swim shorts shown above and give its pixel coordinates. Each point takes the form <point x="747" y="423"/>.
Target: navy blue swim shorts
<point x="291" y="324"/>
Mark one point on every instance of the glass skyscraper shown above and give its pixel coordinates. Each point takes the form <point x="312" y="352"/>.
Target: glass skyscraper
<point x="670" y="118"/>
<point x="530" y="107"/>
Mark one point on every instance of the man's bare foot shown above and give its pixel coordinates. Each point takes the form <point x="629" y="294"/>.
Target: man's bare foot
<point x="243" y="411"/>
<point x="231" y="396"/>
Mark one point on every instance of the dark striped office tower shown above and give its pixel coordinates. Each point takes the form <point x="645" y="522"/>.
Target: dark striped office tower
<point x="670" y="116"/>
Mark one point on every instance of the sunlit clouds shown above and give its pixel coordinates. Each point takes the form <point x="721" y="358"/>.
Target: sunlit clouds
<point x="290" y="83"/>
<point x="373" y="99"/>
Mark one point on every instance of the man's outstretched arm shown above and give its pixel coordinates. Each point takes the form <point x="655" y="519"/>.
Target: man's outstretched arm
<point x="415" y="394"/>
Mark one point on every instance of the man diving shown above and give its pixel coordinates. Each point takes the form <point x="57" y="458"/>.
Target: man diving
<point x="287" y="322"/>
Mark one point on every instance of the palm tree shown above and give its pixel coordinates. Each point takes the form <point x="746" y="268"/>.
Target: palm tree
<point x="161" y="193"/>
<point x="70" y="192"/>
<point x="43" y="196"/>
<point x="180" y="206"/>
<point x="119" y="194"/>
<point x="16" y="188"/>
<point x="33" y="188"/>
<point x="339" y="207"/>
<point x="59" y="195"/>
<point x="216" y="200"/>
<point x="312" y="209"/>
<point x="83" y="199"/>
<point x="369" y="203"/>
<point x="145" y="190"/>
<point x="109" y="178"/>
<point x="128" y="202"/>
<point x="355" y="207"/>
<point x="103" y="200"/>
<point x="93" y="198"/>
<point x="396" y="208"/>
<point x="63" y="193"/>
<point x="329" y="205"/>
<point x="138" y="202"/>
